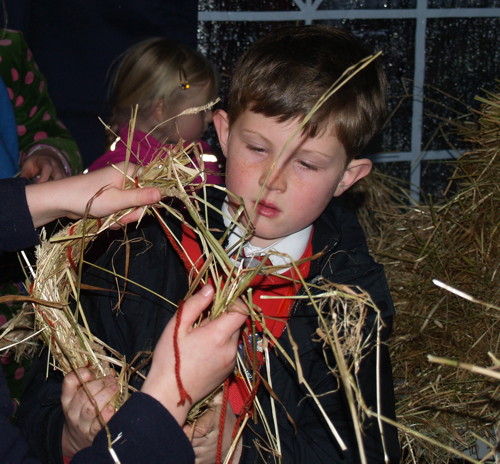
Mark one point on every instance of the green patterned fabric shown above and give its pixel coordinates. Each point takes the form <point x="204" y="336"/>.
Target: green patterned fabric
<point x="35" y="113"/>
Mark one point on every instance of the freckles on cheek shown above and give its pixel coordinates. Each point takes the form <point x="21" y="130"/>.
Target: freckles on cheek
<point x="240" y="169"/>
<point x="302" y="185"/>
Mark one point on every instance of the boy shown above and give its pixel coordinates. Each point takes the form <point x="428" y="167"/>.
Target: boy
<point x="287" y="178"/>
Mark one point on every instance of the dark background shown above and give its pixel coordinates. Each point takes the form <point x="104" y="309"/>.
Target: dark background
<point x="76" y="41"/>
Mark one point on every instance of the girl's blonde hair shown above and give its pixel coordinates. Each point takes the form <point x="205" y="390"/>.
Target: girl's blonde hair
<point x="157" y="69"/>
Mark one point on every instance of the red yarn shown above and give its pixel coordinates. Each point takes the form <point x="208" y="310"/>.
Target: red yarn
<point x="46" y="319"/>
<point x="69" y="250"/>
<point x="182" y="392"/>
<point x="222" y="421"/>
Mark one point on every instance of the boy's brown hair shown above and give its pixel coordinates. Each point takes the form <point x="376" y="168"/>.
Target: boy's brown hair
<point x="284" y="74"/>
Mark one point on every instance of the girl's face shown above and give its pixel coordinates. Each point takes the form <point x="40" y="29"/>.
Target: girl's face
<point x="191" y="127"/>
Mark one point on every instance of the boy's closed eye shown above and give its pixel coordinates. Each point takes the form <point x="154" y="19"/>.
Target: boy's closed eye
<point x="311" y="161"/>
<point x="256" y="149"/>
<point x="307" y="165"/>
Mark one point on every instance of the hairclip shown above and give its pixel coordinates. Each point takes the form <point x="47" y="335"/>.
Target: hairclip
<point x="183" y="82"/>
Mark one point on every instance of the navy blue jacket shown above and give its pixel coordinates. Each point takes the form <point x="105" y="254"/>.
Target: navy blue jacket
<point x="137" y="325"/>
<point x="16" y="226"/>
<point x="148" y="434"/>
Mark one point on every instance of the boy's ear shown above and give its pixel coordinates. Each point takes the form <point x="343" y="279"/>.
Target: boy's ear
<point x="221" y="123"/>
<point x="355" y="170"/>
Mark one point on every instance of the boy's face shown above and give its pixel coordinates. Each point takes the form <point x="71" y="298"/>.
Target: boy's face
<point x="284" y="189"/>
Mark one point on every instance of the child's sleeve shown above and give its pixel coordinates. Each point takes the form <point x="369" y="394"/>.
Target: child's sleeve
<point x="17" y="231"/>
<point x="148" y="433"/>
<point x="40" y="414"/>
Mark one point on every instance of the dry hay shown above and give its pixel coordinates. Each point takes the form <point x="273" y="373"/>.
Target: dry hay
<point x="343" y="313"/>
<point x="54" y="292"/>
<point x="53" y="299"/>
<point x="56" y="287"/>
<point x="455" y="243"/>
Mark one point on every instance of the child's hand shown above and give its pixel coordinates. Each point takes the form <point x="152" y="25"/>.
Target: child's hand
<point x="42" y="166"/>
<point x="70" y="196"/>
<point x="204" y="434"/>
<point x="112" y="198"/>
<point x="207" y="355"/>
<point x="82" y="423"/>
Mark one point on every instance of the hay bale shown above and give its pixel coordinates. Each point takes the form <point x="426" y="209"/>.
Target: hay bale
<point x="457" y="243"/>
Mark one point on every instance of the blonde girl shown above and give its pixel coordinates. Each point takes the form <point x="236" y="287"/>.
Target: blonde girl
<point x="163" y="78"/>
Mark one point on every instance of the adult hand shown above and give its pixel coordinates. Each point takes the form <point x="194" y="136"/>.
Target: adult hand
<point x="207" y="354"/>
<point x="81" y="416"/>
<point x="42" y="166"/>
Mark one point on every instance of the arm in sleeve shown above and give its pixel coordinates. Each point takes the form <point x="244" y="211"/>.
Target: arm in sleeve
<point x="40" y="414"/>
<point x="142" y="431"/>
<point x="13" y="447"/>
<point x="16" y="226"/>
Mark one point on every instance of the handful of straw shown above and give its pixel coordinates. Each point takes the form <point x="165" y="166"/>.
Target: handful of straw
<point x="56" y="283"/>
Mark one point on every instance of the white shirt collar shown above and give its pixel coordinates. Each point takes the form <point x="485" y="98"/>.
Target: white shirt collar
<point x="290" y="248"/>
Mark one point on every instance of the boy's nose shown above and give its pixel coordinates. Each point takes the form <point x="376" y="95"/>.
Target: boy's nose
<point x="273" y="177"/>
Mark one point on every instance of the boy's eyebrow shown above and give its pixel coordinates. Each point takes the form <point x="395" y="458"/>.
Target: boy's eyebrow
<point x="314" y="152"/>
<point x="251" y="132"/>
<point x="299" y="150"/>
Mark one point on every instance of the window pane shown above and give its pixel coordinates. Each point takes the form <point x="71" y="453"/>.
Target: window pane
<point x="396" y="39"/>
<point x="462" y="56"/>
<point x="366" y="4"/>
<point x="463" y="3"/>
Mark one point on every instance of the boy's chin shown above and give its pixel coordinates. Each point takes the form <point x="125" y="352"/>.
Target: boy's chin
<point x="262" y="238"/>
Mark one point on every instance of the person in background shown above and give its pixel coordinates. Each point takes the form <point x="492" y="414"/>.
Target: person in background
<point x="162" y="78"/>
<point x="147" y="428"/>
<point x="76" y="58"/>
<point x="40" y="147"/>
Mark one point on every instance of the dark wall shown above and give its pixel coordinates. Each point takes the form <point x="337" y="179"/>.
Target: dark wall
<point x="75" y="42"/>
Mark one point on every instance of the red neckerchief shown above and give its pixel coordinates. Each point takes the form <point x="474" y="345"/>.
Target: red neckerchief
<point x="275" y="311"/>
